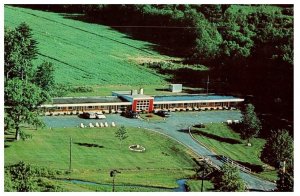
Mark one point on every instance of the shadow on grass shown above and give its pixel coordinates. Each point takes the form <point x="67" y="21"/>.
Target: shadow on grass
<point x="254" y="168"/>
<point x="6" y="146"/>
<point x="9" y="139"/>
<point x="89" y="145"/>
<point x="218" y="138"/>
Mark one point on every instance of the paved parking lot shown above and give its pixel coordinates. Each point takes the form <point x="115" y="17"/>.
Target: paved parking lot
<point x="178" y="120"/>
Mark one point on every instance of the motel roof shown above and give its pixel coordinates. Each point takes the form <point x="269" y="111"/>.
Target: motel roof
<point x="195" y="98"/>
<point x="75" y="100"/>
<point x="86" y="101"/>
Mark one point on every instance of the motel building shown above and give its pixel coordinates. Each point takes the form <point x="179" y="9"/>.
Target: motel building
<point x="137" y="101"/>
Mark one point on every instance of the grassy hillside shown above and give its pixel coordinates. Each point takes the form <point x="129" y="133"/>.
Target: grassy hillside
<point x="224" y="141"/>
<point x="86" y="54"/>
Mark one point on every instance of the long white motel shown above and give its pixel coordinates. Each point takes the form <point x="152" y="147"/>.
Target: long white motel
<point x="137" y="101"/>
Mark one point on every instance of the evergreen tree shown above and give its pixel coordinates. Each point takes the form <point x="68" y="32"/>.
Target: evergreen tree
<point x="251" y="123"/>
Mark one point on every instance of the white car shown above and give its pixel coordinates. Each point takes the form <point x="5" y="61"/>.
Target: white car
<point x="100" y="116"/>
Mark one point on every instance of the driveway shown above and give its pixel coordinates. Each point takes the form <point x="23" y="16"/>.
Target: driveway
<point x="175" y="126"/>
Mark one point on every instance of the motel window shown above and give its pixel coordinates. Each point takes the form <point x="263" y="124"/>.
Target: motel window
<point x="58" y="108"/>
<point x="91" y="107"/>
<point x="70" y="108"/>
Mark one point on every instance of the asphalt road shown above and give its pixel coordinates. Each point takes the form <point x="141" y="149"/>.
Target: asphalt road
<point x="176" y="127"/>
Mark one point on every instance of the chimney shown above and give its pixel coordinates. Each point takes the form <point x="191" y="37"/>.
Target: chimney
<point x="141" y="91"/>
<point x="134" y="92"/>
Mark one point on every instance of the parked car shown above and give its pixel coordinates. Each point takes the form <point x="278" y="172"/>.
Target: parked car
<point x="100" y="116"/>
<point x="89" y="115"/>
<point x="130" y="114"/>
<point x="163" y="113"/>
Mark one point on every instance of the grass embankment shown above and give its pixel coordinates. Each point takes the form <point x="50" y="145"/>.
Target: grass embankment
<point x="222" y="140"/>
<point x="95" y="152"/>
<point x="195" y="185"/>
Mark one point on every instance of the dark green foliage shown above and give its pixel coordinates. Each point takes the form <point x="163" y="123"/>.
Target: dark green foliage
<point x="81" y="89"/>
<point x="229" y="180"/>
<point x="121" y="134"/>
<point x="44" y="76"/>
<point x="20" y="50"/>
<point x="60" y="90"/>
<point x="48" y="186"/>
<point x="285" y="183"/>
<point x="251" y="123"/>
<point x="25" y="136"/>
<point x="274" y="35"/>
<point x="278" y="148"/>
<point x="8" y="184"/>
<point x="23" y="99"/>
<point x="203" y="171"/>
<point x="22" y="176"/>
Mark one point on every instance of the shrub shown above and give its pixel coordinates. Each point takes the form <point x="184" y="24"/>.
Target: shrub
<point x="25" y="136"/>
<point x="81" y="89"/>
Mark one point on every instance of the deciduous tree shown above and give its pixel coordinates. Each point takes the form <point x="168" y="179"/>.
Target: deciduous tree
<point x="22" y="100"/>
<point x="121" y="134"/>
<point x="278" y="148"/>
<point x="20" y="50"/>
<point x="26" y="86"/>
<point x="229" y="180"/>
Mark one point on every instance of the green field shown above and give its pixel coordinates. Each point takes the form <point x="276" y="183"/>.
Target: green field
<point x="195" y="186"/>
<point x="222" y="140"/>
<point x="95" y="152"/>
<point x="96" y="56"/>
<point x="87" y="54"/>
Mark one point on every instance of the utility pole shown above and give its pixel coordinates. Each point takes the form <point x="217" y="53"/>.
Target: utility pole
<point x="207" y="83"/>
<point x="70" y="165"/>
<point x="202" y="180"/>
<point x="113" y="174"/>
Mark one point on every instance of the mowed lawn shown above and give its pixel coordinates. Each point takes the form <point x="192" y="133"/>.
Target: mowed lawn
<point x="84" y="53"/>
<point x="96" y="151"/>
<point x="222" y="140"/>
